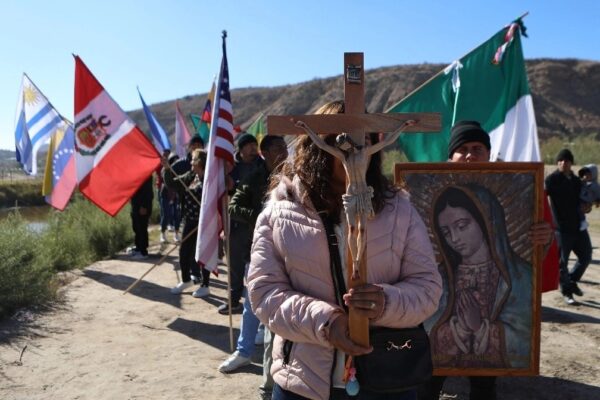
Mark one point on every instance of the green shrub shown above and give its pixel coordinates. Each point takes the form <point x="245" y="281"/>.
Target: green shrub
<point x="26" y="192"/>
<point x="82" y="234"/>
<point x="25" y="278"/>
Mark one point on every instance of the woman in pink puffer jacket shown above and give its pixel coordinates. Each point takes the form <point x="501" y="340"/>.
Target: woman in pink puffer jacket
<point x="291" y="284"/>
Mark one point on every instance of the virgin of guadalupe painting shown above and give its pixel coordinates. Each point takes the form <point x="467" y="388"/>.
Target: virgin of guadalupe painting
<point x="478" y="217"/>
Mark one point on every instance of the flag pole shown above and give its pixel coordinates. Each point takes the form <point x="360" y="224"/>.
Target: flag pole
<point x="187" y="189"/>
<point x="226" y="229"/>
<point x="163" y="258"/>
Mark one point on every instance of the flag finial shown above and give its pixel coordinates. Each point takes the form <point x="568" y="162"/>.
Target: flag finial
<point x="224" y="34"/>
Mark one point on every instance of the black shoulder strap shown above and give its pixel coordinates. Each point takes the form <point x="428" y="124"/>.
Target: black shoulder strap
<point x="335" y="261"/>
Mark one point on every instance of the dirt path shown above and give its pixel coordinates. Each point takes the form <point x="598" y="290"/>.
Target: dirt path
<point x="99" y="344"/>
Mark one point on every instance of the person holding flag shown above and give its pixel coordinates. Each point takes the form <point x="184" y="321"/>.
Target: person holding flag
<point x="190" y="209"/>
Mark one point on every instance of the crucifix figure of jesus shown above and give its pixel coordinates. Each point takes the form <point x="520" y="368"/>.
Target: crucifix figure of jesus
<point x="357" y="200"/>
<point x="351" y="128"/>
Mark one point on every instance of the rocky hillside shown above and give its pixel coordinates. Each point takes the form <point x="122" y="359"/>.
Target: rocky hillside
<point x="566" y="96"/>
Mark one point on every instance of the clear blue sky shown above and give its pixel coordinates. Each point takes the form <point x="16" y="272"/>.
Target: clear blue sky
<point x="173" y="48"/>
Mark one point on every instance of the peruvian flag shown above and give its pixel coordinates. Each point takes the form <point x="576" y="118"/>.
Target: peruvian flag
<point x="113" y="157"/>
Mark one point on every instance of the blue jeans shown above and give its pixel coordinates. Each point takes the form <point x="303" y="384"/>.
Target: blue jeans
<point x="580" y="244"/>
<point x="248" y="329"/>
<point x="340" y="394"/>
<point x="169" y="211"/>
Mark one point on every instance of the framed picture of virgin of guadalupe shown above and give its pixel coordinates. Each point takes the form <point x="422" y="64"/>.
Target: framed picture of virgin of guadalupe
<point x="478" y="216"/>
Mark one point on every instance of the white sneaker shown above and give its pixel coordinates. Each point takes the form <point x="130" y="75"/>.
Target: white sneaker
<point x="176" y="237"/>
<point x="202" y="291"/>
<point x="163" y="239"/>
<point x="259" y="339"/>
<point x="234" y="362"/>
<point x="181" y="286"/>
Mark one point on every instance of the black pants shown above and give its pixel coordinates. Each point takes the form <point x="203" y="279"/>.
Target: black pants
<point x="580" y="244"/>
<point x="139" y="223"/>
<point x="482" y="388"/>
<point x="239" y="253"/>
<point x="187" y="256"/>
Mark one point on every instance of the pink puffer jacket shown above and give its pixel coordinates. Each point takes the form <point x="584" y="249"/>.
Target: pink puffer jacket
<point x="291" y="287"/>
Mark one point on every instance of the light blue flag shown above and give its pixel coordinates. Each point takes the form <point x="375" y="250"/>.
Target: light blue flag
<point x="35" y="122"/>
<point x="159" y="136"/>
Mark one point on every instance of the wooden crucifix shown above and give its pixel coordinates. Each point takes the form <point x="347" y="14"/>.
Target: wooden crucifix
<point x="350" y="148"/>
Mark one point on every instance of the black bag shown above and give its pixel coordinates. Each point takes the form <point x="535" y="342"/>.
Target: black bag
<point x="400" y="360"/>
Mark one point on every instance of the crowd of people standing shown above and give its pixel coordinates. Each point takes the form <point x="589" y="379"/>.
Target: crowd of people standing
<point x="280" y="210"/>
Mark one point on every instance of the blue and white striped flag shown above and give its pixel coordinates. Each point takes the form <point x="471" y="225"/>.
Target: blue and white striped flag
<point x="35" y="122"/>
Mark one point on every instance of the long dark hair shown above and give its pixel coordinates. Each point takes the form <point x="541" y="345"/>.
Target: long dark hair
<point x="456" y="197"/>
<point x="314" y="167"/>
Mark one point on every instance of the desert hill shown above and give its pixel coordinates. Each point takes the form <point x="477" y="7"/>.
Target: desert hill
<point x="566" y="95"/>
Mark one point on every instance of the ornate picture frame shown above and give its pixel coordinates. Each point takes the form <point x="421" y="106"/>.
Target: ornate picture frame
<point x="478" y="216"/>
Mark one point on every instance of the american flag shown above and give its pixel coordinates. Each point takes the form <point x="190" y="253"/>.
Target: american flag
<point x="220" y="150"/>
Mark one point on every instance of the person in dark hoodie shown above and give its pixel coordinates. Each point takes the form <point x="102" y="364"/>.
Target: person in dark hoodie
<point x="564" y="189"/>
<point x="246" y="161"/>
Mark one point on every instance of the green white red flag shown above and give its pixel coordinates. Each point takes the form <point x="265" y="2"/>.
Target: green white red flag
<point x="488" y="85"/>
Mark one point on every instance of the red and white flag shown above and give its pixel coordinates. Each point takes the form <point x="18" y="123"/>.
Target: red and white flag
<point x="113" y="157"/>
<point x="220" y="151"/>
<point x="182" y="135"/>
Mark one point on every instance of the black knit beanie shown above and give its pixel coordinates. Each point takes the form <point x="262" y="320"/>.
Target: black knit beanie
<point x="244" y="139"/>
<point x="565" y="154"/>
<point x="467" y="131"/>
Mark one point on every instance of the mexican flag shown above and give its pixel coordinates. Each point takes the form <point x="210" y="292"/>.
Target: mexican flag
<point x="488" y="85"/>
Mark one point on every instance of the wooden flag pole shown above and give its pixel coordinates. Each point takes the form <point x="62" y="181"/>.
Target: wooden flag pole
<point x="226" y="229"/>
<point x="163" y="258"/>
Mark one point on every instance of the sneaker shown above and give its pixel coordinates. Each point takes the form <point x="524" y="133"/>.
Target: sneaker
<point x="236" y="308"/>
<point x="176" y="237"/>
<point x="181" y="286"/>
<point x="576" y="290"/>
<point x="202" y="291"/>
<point x="163" y="239"/>
<point x="259" y="339"/>
<point x="195" y="279"/>
<point x="132" y="251"/>
<point x="569" y="299"/>
<point x="235" y="361"/>
<point x="139" y="256"/>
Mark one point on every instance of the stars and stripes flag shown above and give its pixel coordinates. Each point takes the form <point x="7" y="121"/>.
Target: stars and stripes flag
<point x="35" y="122"/>
<point x="113" y="157"/>
<point x="220" y="151"/>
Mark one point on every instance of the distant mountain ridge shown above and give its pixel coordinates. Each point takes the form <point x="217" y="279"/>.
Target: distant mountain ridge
<point x="566" y="96"/>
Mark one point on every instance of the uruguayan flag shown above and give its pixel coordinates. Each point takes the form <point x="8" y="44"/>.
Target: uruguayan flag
<point x="36" y="121"/>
